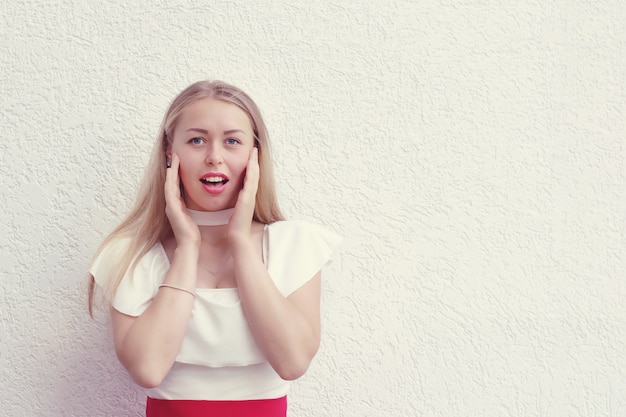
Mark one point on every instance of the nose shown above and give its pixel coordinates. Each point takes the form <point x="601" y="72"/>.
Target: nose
<point x="214" y="154"/>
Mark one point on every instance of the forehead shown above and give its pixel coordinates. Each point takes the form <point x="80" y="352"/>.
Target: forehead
<point x="212" y="114"/>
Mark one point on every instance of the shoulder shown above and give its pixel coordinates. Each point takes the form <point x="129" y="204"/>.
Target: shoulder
<point x="133" y="280"/>
<point x="290" y="235"/>
<point x="117" y="252"/>
<point x="115" y="246"/>
<point x="121" y="246"/>
<point x="295" y="251"/>
<point x="108" y="256"/>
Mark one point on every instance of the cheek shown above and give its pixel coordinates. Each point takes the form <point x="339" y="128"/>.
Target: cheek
<point x="185" y="170"/>
<point x="185" y="178"/>
<point x="177" y="147"/>
<point x="240" y="171"/>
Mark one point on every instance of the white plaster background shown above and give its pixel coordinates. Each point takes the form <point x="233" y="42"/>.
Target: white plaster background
<point x="472" y="154"/>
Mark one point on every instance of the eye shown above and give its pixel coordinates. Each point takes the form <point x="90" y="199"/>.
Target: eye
<point x="196" y="141"/>
<point x="232" y="141"/>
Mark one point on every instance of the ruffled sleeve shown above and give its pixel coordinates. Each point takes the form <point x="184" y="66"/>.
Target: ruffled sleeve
<point x="294" y="251"/>
<point x="136" y="290"/>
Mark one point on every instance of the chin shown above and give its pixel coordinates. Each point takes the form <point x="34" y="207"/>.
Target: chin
<point x="211" y="203"/>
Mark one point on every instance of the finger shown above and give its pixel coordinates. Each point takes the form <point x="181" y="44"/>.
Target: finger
<point x="169" y="172"/>
<point x="174" y="163"/>
<point x="252" y="171"/>
<point x="171" y="177"/>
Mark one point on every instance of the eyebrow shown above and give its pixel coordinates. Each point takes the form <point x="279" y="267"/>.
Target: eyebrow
<point x="206" y="132"/>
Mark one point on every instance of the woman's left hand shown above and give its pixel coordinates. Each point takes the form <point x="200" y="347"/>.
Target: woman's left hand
<point x="241" y="221"/>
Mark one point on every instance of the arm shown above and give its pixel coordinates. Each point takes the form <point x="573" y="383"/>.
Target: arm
<point x="286" y="329"/>
<point x="147" y="345"/>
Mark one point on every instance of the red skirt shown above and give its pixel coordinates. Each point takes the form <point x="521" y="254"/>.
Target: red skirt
<point x="276" y="407"/>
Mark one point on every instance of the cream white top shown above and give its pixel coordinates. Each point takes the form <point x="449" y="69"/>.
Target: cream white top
<point x="219" y="358"/>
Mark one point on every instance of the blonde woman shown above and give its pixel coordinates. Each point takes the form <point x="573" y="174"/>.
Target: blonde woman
<point x="215" y="299"/>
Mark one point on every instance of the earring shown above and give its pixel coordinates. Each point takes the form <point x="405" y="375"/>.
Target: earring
<point x="169" y="164"/>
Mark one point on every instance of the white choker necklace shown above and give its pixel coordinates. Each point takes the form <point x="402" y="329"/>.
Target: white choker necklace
<point x="211" y="218"/>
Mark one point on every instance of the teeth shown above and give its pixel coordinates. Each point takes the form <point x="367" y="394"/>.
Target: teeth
<point x="213" y="179"/>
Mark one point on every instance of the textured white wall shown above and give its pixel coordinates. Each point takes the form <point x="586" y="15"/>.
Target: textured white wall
<point x="472" y="154"/>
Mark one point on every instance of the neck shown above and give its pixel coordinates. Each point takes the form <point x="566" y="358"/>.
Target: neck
<point x="211" y="218"/>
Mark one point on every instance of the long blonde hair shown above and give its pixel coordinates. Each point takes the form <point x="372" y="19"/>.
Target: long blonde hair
<point x="147" y="224"/>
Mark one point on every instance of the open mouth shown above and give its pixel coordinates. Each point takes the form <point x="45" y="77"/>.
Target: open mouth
<point x="214" y="181"/>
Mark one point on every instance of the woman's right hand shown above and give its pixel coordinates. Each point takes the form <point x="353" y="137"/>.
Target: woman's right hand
<point x="185" y="229"/>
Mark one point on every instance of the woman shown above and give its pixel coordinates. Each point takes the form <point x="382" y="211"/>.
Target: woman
<point x="215" y="298"/>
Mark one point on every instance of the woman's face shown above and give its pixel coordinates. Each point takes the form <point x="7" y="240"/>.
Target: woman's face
<point x="213" y="140"/>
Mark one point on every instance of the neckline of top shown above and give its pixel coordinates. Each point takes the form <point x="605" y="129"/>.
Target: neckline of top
<point x="224" y="289"/>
